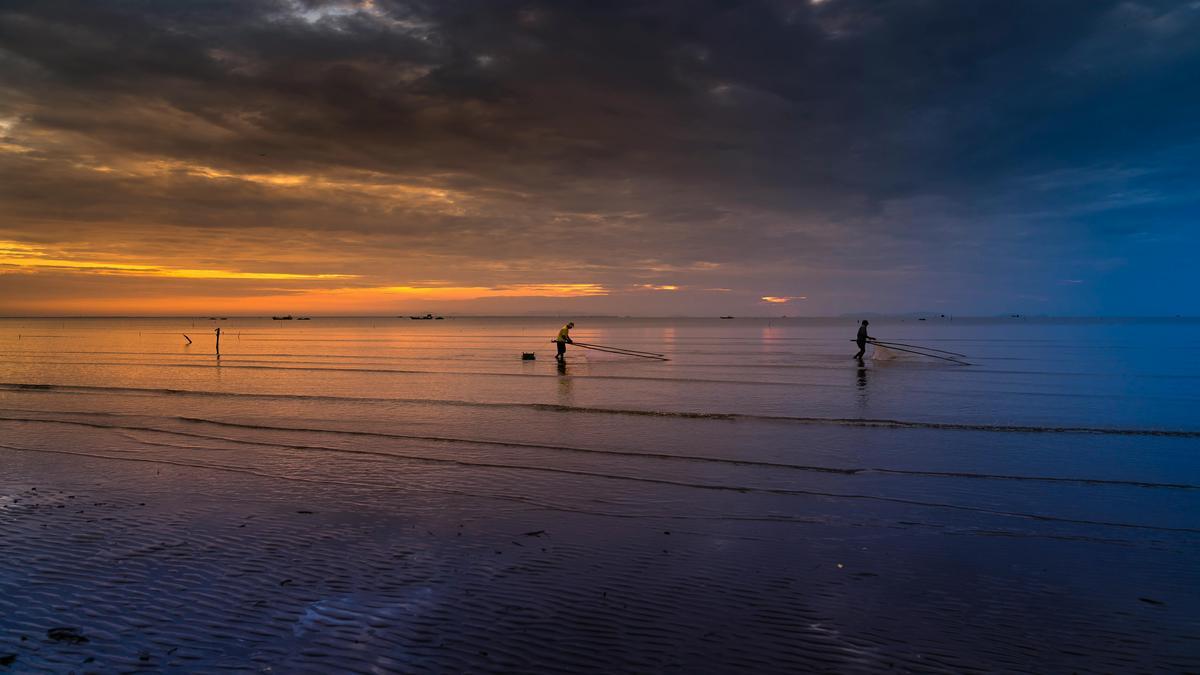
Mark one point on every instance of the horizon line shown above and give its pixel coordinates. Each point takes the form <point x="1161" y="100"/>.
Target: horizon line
<point x="867" y="315"/>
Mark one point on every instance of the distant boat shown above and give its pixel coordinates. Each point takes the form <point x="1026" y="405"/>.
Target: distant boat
<point x="282" y="318"/>
<point x="427" y="317"/>
<point x="727" y="317"/>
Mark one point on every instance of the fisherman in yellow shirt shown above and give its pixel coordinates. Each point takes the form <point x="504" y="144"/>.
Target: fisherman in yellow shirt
<point x="564" y="336"/>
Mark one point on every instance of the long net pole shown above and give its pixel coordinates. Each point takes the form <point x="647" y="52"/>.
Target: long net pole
<point x="928" y="349"/>
<point x="598" y="348"/>
<point x="618" y="349"/>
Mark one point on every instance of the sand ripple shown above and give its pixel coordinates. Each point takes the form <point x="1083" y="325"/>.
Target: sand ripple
<point x="183" y="567"/>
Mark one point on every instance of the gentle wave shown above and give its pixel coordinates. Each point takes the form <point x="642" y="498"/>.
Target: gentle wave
<point x="521" y="499"/>
<point x="516" y="498"/>
<point x="410" y="437"/>
<point x="471" y="373"/>
<point x="554" y="407"/>
<point x="821" y="365"/>
<point x="232" y="363"/>
<point x="674" y="483"/>
<point x="847" y="471"/>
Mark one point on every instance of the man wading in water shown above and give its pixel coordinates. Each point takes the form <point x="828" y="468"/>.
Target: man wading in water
<point x="564" y="336"/>
<point x="862" y="340"/>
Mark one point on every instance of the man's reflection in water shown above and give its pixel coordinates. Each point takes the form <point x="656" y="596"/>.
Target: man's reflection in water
<point x="862" y="385"/>
<point x="564" y="384"/>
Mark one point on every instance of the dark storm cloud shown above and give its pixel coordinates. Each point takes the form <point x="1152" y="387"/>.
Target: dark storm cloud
<point x="794" y="143"/>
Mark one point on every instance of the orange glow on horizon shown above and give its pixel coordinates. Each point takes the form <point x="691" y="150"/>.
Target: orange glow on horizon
<point x="343" y="301"/>
<point x="203" y="297"/>
<point x="477" y="292"/>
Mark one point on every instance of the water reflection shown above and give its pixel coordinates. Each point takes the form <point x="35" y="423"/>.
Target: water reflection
<point x="862" y="384"/>
<point x="768" y="336"/>
<point x="667" y="337"/>
<point x="566" y="394"/>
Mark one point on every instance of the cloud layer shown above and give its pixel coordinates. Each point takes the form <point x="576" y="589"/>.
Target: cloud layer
<point x="627" y="157"/>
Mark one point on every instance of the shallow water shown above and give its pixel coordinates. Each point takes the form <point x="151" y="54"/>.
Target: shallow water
<point x="1037" y="509"/>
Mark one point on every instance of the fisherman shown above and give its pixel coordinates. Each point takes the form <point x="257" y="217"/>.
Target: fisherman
<point x="862" y="339"/>
<point x="564" y="336"/>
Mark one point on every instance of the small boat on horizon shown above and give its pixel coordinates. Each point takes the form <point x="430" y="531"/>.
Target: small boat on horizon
<point x="282" y="318"/>
<point x="427" y="317"/>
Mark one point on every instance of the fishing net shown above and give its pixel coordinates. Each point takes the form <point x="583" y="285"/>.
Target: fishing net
<point x="880" y="353"/>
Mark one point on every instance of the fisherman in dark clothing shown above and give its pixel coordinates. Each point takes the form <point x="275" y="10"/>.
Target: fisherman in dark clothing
<point x="862" y="340"/>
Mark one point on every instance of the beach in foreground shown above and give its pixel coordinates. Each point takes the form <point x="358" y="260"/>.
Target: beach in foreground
<point x="395" y="496"/>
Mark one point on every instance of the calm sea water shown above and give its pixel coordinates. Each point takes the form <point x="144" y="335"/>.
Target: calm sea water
<point x="1121" y="374"/>
<point x="1041" y="500"/>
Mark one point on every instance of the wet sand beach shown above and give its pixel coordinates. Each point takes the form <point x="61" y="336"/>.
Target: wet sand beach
<point x="349" y="498"/>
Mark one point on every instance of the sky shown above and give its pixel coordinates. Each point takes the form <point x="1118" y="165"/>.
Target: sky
<point x="682" y="157"/>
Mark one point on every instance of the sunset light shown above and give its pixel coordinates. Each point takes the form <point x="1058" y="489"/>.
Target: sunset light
<point x="625" y="336"/>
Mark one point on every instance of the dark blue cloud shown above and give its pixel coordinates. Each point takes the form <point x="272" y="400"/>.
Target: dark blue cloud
<point x="976" y="156"/>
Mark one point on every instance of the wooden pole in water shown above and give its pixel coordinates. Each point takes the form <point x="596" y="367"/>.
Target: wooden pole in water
<point x="218" y="331"/>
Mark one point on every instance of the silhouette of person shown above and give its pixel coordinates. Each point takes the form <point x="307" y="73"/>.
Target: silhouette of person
<point x="564" y="336"/>
<point x="862" y="339"/>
